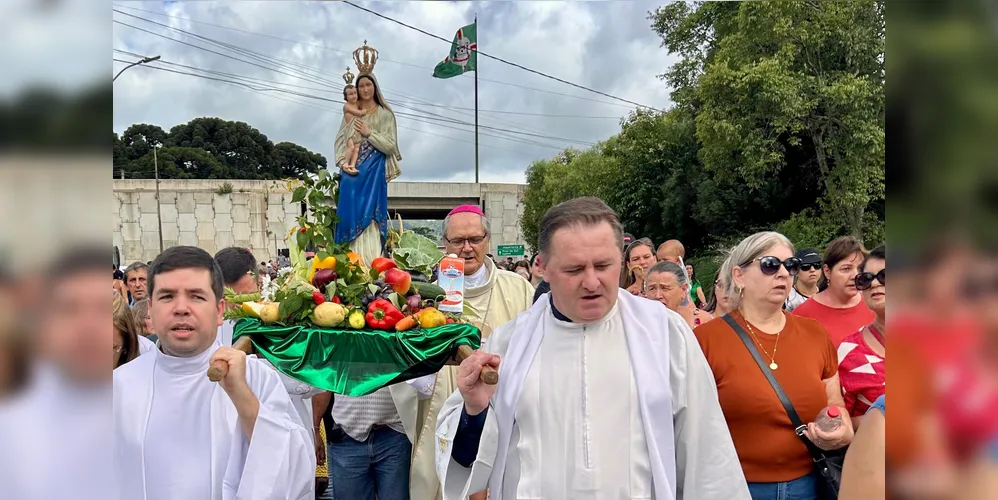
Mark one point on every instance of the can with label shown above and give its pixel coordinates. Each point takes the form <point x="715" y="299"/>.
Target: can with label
<point x="451" y="279"/>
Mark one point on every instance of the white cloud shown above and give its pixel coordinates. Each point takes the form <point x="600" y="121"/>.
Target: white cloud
<point x="608" y="46"/>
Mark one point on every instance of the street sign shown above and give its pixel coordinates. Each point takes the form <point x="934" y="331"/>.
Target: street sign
<point x="510" y="250"/>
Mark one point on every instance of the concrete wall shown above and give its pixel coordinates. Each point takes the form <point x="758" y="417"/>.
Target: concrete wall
<point x="258" y="214"/>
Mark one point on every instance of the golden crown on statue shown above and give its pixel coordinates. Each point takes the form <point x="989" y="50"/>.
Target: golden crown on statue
<point x="348" y="76"/>
<point x="365" y="58"/>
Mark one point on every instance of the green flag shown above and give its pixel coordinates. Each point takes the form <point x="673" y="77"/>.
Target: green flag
<point x="463" y="54"/>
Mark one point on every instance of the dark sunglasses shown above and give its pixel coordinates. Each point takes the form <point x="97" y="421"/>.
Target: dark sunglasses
<point x="808" y="267"/>
<point x="770" y="265"/>
<point x="864" y="281"/>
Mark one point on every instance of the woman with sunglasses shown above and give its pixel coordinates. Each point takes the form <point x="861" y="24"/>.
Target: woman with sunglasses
<point x="861" y="365"/>
<point x="839" y="305"/>
<point x="797" y="352"/>
<point x="806" y="284"/>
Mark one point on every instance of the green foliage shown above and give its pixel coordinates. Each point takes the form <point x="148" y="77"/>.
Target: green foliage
<point x="779" y="124"/>
<point x="317" y="227"/>
<point x="773" y="80"/>
<point x="416" y="252"/>
<point x="808" y="230"/>
<point x="210" y="148"/>
<point x="570" y="175"/>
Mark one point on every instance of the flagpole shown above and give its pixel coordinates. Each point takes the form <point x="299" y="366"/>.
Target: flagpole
<point x="477" y="38"/>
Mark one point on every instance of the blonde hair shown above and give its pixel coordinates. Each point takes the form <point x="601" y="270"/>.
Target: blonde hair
<point x="744" y="253"/>
<point x="123" y="321"/>
<point x="672" y="248"/>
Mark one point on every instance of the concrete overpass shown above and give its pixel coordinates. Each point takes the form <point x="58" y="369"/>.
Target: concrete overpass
<point x="425" y="200"/>
<point x="257" y="214"/>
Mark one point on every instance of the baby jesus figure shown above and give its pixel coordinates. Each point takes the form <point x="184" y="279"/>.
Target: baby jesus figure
<point x="351" y="111"/>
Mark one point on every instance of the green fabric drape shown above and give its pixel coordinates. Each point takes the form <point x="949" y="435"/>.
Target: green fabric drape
<point x="356" y="362"/>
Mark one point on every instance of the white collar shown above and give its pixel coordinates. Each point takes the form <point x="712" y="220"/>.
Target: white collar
<point x="480" y="278"/>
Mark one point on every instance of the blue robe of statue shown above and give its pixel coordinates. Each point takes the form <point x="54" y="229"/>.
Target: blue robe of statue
<point x="363" y="197"/>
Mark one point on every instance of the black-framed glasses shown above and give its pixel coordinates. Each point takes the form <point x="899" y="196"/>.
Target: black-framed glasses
<point x="459" y="242"/>
<point x="809" y="267"/>
<point x="864" y="281"/>
<point x="769" y="265"/>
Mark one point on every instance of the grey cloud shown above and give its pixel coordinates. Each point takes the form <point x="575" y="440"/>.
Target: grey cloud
<point x="603" y="45"/>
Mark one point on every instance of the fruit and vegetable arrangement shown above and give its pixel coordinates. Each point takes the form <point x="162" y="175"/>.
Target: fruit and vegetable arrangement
<point x="345" y="325"/>
<point x="341" y="291"/>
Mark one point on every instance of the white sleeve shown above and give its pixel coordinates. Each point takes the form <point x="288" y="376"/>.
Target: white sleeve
<point x="423" y="385"/>
<point x="457" y="481"/>
<point x="707" y="465"/>
<point x="279" y="462"/>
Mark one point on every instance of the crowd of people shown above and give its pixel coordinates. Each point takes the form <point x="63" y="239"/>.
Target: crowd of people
<point x="620" y="377"/>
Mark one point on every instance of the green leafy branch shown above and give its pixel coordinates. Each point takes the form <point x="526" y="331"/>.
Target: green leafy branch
<point x="318" y="225"/>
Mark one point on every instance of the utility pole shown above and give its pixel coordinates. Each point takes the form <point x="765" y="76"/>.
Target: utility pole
<point x="143" y="61"/>
<point x="477" y="42"/>
<point x="159" y="211"/>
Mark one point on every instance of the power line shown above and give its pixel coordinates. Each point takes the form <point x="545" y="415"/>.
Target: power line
<point x="324" y="47"/>
<point x="479" y="52"/>
<point x="278" y="61"/>
<point x="285" y="64"/>
<point x="407" y="115"/>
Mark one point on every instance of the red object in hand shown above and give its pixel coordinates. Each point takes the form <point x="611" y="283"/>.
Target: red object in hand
<point x="382" y="264"/>
<point x="382" y="315"/>
<point x="318" y="298"/>
<point x="829" y="419"/>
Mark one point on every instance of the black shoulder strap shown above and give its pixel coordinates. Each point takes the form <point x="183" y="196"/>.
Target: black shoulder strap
<point x="787" y="405"/>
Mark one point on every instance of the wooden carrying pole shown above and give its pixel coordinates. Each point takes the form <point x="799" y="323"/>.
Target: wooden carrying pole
<point x="220" y="368"/>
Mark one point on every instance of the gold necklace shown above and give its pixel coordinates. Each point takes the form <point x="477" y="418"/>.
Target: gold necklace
<point x="772" y="359"/>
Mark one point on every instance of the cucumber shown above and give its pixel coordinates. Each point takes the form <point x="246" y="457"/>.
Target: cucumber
<point x="428" y="290"/>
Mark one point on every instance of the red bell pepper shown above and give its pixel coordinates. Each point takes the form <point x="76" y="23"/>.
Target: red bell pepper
<point x="383" y="315"/>
<point x="382" y="264"/>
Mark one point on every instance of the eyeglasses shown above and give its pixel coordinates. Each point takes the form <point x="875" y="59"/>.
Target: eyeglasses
<point x="864" y="281"/>
<point x="459" y="242"/>
<point x="808" y="267"/>
<point x="769" y="265"/>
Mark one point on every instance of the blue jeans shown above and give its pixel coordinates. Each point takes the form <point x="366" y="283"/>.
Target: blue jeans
<point x="375" y="468"/>
<point x="804" y="488"/>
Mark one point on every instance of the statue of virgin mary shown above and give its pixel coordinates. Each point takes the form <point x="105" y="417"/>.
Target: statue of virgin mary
<point x="363" y="196"/>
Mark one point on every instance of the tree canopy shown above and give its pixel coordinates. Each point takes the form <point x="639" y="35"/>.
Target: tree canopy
<point x="778" y="123"/>
<point x="210" y="148"/>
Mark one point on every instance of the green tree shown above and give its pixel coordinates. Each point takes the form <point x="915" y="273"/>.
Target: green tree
<point x="570" y="175"/>
<point x="770" y="81"/>
<point x="179" y="163"/>
<point x="239" y="146"/>
<point x="293" y="161"/>
<point x="237" y="151"/>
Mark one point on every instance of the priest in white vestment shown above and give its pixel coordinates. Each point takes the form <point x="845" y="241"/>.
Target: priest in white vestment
<point x="179" y="435"/>
<point x="55" y="428"/>
<point x="601" y="395"/>
<point x="496" y="296"/>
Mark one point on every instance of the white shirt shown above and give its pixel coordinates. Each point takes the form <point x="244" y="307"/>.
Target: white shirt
<point x="177" y="454"/>
<point x="146" y="345"/>
<point x="480" y="277"/>
<point x="795" y="299"/>
<point x="586" y="436"/>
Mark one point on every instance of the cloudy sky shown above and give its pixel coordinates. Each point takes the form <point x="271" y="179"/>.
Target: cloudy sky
<point x="305" y="47"/>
